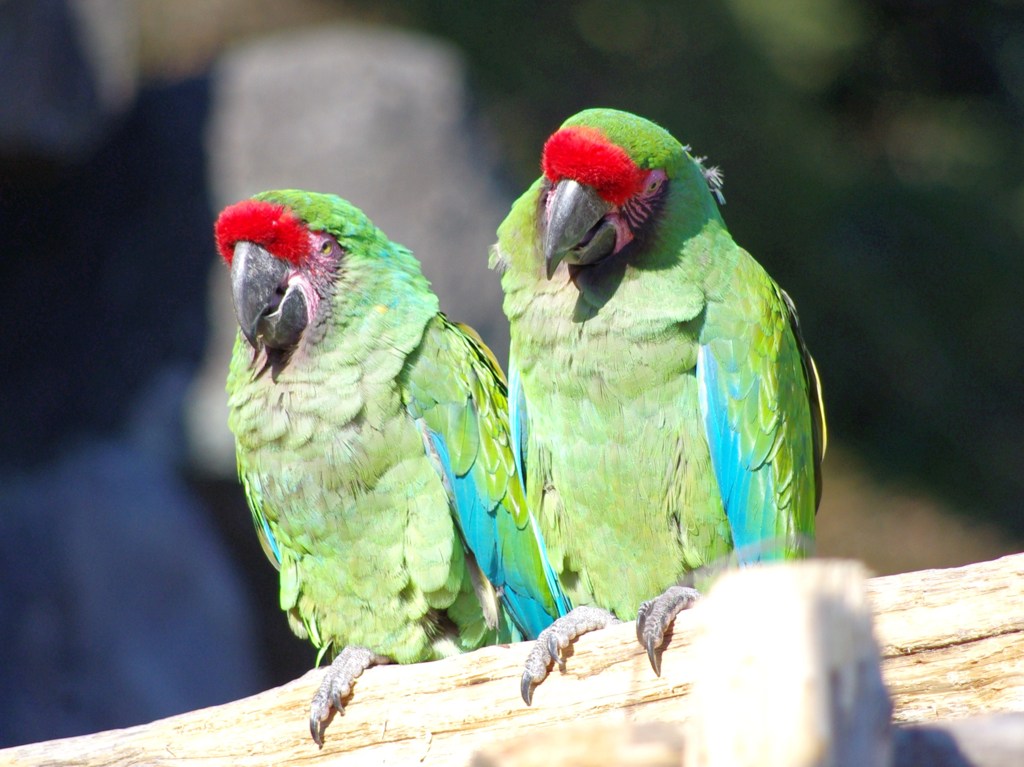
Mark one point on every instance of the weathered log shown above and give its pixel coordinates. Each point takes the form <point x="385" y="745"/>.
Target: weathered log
<point x="993" y="740"/>
<point x="951" y="641"/>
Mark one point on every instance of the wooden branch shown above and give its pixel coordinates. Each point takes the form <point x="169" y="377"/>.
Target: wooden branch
<point x="993" y="740"/>
<point x="951" y="641"/>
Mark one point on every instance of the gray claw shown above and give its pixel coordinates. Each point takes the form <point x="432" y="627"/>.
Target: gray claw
<point x="336" y="684"/>
<point x="319" y="711"/>
<point x="554" y="651"/>
<point x="656" y="615"/>
<point x="526" y="688"/>
<point x="641" y="620"/>
<point x="653" y="656"/>
<point x="548" y="646"/>
<point x="337" y="702"/>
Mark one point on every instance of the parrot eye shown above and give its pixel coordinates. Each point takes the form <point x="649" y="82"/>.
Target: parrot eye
<point x="327" y="247"/>
<point x="654" y="184"/>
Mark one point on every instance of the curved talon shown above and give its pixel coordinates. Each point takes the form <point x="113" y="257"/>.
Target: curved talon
<point x="337" y="703"/>
<point x="553" y="649"/>
<point x="526" y="688"/>
<point x="660" y="613"/>
<point x="641" y="620"/>
<point x="336" y="685"/>
<point x="653" y="656"/>
<point x="552" y="641"/>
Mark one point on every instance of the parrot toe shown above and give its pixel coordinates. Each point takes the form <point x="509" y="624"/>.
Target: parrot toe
<point x="552" y="642"/>
<point x="656" y="615"/>
<point x="336" y="685"/>
<point x="314" y="726"/>
<point x="526" y="686"/>
<point x="652" y="654"/>
<point x="555" y="646"/>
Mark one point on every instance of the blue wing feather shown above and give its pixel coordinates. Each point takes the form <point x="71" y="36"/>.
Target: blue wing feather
<point x="463" y="421"/>
<point x="480" y="524"/>
<point x="259" y="518"/>
<point x="517" y="420"/>
<point x="746" y="484"/>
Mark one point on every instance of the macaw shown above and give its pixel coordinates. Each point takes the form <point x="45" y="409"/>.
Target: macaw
<point x="665" y="411"/>
<point x="373" y="446"/>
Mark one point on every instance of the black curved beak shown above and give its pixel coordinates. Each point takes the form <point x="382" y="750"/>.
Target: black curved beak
<point x="269" y="311"/>
<point x="576" y="231"/>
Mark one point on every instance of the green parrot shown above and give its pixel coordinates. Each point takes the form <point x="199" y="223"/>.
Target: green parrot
<point x="665" y="411"/>
<point x="373" y="447"/>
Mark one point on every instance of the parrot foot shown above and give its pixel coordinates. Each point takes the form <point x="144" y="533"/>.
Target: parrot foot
<point x="655" y="615"/>
<point x="337" y="684"/>
<point x="553" y="640"/>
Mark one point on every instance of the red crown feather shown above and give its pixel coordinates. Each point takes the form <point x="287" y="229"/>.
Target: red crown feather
<point x="270" y="226"/>
<point x="584" y="155"/>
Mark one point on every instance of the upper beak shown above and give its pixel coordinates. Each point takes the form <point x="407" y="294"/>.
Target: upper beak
<point x="574" y="210"/>
<point x="267" y="308"/>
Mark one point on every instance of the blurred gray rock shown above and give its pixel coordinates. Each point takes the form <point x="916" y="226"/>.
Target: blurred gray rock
<point x="119" y="604"/>
<point x="67" y="70"/>
<point x="380" y="118"/>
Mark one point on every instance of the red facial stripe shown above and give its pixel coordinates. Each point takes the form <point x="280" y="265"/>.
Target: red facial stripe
<point x="584" y="155"/>
<point x="270" y="226"/>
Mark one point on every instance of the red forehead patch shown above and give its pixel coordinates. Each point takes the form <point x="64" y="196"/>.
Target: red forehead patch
<point x="270" y="226"/>
<point x="584" y="155"/>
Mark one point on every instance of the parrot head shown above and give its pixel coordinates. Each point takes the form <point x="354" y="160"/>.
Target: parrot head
<point x="281" y="270"/>
<point x="308" y="267"/>
<point x="608" y="179"/>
